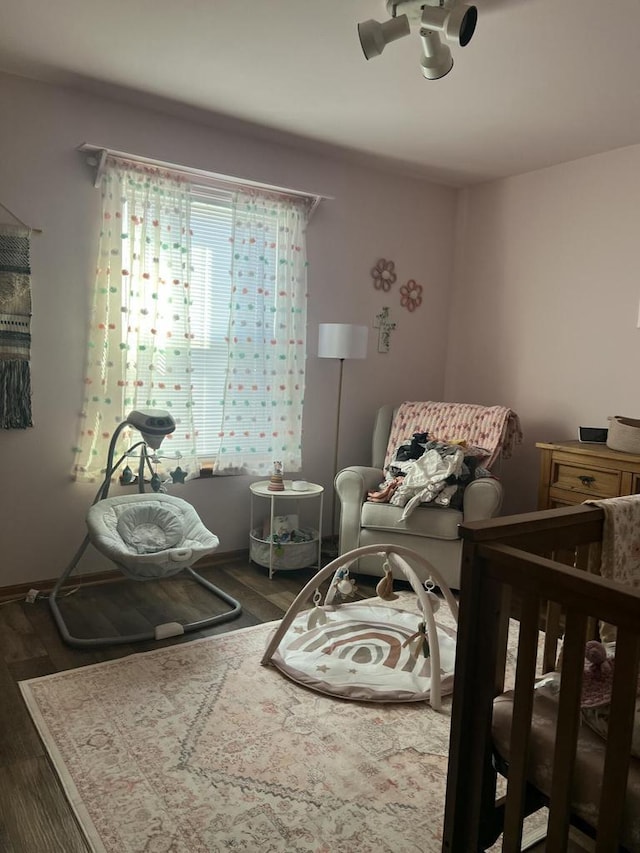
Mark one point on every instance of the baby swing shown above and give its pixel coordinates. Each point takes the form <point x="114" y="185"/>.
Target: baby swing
<point x="368" y="651"/>
<point x="147" y="536"/>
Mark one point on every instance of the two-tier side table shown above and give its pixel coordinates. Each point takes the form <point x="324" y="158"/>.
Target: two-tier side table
<point x="261" y="490"/>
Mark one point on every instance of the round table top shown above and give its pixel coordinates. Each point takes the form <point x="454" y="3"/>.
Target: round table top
<point x="262" y="488"/>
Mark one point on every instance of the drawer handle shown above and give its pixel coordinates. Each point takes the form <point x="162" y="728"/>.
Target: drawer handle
<point x="586" y="481"/>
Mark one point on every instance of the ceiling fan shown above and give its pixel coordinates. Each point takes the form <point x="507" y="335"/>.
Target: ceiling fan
<point x="454" y="20"/>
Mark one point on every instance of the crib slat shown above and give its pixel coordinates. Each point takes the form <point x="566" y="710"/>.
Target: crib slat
<point x="583" y="553"/>
<point x="471" y="777"/>
<point x="568" y="724"/>
<point x="586" y="556"/>
<point x="521" y="724"/>
<point x="595" y="557"/>
<point x="621" y="719"/>
<point x="551" y="636"/>
<point x="502" y="636"/>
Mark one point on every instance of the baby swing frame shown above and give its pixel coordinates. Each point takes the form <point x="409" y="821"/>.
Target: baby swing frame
<point x="165" y="629"/>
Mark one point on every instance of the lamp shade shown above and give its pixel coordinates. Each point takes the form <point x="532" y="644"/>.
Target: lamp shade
<point x="342" y="340"/>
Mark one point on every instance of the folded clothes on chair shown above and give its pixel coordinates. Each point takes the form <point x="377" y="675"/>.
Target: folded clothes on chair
<point x="425" y="479"/>
<point x="438" y="474"/>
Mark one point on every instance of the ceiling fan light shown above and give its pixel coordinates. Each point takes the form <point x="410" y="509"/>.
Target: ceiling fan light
<point x="457" y="23"/>
<point x="438" y="21"/>
<point x="461" y="24"/>
<point x="436" y="61"/>
<point x="374" y="36"/>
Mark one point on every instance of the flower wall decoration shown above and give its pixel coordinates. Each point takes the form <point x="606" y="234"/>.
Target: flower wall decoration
<point x="411" y="295"/>
<point x="383" y="275"/>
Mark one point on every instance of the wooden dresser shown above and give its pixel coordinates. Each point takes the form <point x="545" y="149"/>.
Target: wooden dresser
<point x="572" y="472"/>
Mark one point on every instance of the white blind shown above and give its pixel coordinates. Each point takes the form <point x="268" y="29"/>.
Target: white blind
<point x="211" y="248"/>
<point x="211" y="226"/>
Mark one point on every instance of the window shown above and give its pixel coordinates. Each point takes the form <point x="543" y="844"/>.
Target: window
<point x="200" y="309"/>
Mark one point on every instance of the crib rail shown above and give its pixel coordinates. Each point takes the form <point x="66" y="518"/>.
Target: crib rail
<point x="535" y="565"/>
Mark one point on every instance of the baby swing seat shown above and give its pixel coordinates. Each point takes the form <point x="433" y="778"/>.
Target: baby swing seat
<point x="149" y="536"/>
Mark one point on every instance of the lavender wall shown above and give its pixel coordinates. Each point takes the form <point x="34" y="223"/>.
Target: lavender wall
<point x="545" y="310"/>
<point x="47" y="182"/>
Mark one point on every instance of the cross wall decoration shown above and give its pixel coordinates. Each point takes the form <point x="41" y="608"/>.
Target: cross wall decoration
<point x="385" y="326"/>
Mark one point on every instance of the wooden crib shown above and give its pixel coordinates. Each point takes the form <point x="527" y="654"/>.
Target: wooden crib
<point x="536" y="568"/>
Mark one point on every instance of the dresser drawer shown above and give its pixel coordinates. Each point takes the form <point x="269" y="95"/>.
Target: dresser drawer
<point x="588" y="480"/>
<point x="564" y="497"/>
<point x="572" y="472"/>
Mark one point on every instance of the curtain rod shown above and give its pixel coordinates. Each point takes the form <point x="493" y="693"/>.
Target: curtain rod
<point x="99" y="156"/>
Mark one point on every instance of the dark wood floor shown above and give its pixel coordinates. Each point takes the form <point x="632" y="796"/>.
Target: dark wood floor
<point x="34" y="814"/>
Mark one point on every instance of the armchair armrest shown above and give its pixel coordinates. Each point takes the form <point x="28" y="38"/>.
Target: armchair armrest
<point x="352" y="485"/>
<point x="482" y="499"/>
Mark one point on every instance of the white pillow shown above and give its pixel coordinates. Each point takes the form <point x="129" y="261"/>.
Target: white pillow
<point x="148" y="528"/>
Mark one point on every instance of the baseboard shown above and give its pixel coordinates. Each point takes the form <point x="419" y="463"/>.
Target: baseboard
<point x="225" y="557"/>
<point x="18" y="592"/>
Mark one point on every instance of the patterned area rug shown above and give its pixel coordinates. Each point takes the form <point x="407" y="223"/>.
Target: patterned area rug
<point x="197" y="748"/>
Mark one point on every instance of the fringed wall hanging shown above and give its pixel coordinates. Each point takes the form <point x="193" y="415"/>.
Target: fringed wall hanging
<point x="15" y="327"/>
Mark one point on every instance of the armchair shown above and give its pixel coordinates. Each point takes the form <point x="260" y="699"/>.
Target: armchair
<point x="430" y="530"/>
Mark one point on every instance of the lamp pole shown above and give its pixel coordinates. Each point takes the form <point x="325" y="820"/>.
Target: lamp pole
<point x="335" y="461"/>
<point x="340" y="341"/>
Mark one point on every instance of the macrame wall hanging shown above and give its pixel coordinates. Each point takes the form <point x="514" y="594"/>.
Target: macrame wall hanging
<point x="15" y="327"/>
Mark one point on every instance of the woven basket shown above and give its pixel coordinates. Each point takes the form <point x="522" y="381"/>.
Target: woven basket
<point x="624" y="434"/>
<point x="286" y="555"/>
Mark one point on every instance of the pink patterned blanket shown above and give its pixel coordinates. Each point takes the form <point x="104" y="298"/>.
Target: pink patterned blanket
<point x="621" y="539"/>
<point x="619" y="557"/>
<point x="494" y="428"/>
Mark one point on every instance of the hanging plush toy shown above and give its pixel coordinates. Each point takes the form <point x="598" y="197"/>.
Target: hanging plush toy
<point x="318" y="615"/>
<point x="345" y="585"/>
<point x="384" y="589"/>
<point x="418" y="642"/>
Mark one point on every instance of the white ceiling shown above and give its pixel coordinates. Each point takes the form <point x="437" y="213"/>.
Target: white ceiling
<point x="540" y="83"/>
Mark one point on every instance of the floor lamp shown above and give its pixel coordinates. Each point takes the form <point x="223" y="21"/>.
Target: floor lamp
<point x="340" y="340"/>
